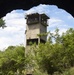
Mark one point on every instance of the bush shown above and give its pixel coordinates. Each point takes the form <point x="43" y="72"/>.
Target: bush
<point x="69" y="72"/>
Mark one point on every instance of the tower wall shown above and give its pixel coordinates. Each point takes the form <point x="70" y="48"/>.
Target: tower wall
<point x="32" y="31"/>
<point x="43" y="30"/>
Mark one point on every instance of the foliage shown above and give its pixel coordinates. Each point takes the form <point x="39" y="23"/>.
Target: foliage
<point x="12" y="59"/>
<point x="69" y="72"/>
<point x="55" y="57"/>
<point x="2" y="23"/>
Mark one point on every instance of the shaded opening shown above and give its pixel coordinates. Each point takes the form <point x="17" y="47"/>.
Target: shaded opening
<point x="32" y="41"/>
<point x="28" y="74"/>
<point x="42" y="41"/>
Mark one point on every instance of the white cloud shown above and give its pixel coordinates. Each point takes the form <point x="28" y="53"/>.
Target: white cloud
<point x="15" y="19"/>
<point x="13" y="15"/>
<point x="54" y="22"/>
<point x="42" y="8"/>
<point x="13" y="34"/>
<point x="69" y="17"/>
<point x="3" y="43"/>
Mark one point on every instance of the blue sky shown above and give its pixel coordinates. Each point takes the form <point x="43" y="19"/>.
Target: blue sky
<point x="13" y="34"/>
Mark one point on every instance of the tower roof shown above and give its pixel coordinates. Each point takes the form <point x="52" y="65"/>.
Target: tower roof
<point x="37" y="15"/>
<point x="44" y="16"/>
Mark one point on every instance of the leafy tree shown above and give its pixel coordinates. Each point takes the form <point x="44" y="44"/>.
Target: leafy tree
<point x="12" y="60"/>
<point x="2" y="23"/>
<point x="58" y="56"/>
<point x="68" y="46"/>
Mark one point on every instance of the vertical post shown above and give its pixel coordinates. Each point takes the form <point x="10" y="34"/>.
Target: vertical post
<point x="39" y="25"/>
<point x="39" y="40"/>
<point x="39" y="18"/>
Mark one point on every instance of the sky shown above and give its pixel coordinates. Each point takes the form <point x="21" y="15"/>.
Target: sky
<point x="14" y="33"/>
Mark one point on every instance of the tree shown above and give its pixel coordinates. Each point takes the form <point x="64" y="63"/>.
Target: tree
<point x="58" y="56"/>
<point x="12" y="60"/>
<point x="2" y="23"/>
<point x="68" y="46"/>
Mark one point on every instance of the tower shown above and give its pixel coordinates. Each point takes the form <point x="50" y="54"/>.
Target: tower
<point x="36" y="24"/>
